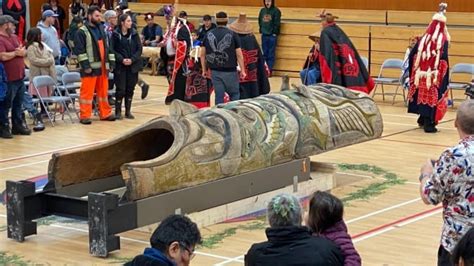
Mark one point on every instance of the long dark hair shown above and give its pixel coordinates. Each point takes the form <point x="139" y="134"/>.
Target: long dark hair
<point x="122" y="19"/>
<point x="34" y="35"/>
<point x="325" y="210"/>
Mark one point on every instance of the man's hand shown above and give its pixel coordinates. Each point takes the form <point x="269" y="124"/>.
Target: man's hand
<point x="204" y="73"/>
<point x="127" y="61"/>
<point x="427" y="168"/>
<point x="147" y="42"/>
<point x="20" y="51"/>
<point x="243" y="74"/>
<point x="88" y="70"/>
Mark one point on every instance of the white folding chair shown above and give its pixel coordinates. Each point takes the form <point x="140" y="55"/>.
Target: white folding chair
<point x="56" y="98"/>
<point x="391" y="63"/>
<point x="461" y="68"/>
<point x="71" y="82"/>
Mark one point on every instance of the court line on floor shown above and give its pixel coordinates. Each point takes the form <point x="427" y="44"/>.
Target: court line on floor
<point x="22" y="165"/>
<point x="395" y="224"/>
<point x="382" y="210"/>
<point x="134" y="240"/>
<point x="236" y="259"/>
<point x="415" y="142"/>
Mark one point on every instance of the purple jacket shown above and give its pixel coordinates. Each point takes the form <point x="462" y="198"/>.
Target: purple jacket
<point x="338" y="234"/>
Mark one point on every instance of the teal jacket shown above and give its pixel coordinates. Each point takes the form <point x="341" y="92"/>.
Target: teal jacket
<point x="269" y="20"/>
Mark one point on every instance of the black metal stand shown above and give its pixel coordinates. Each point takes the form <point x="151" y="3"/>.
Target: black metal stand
<point x="107" y="216"/>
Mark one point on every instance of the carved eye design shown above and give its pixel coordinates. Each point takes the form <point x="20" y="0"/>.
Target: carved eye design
<point x="215" y="122"/>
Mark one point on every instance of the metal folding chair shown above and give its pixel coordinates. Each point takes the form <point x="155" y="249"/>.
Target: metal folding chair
<point x="391" y="63"/>
<point x="71" y="82"/>
<point x="461" y="68"/>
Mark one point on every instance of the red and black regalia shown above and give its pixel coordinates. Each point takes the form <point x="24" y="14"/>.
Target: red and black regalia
<point x="256" y="82"/>
<point x="16" y="9"/>
<point x="198" y="87"/>
<point x="177" y="42"/>
<point x="429" y="74"/>
<point x="339" y="60"/>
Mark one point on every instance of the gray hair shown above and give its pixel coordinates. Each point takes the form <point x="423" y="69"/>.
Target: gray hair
<point x="109" y="14"/>
<point x="284" y="210"/>
<point x="465" y="117"/>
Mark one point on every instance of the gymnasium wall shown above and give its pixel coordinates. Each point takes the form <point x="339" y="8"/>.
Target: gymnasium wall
<point x="420" y="5"/>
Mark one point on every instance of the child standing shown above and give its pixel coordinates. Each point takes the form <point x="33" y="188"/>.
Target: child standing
<point x="325" y="219"/>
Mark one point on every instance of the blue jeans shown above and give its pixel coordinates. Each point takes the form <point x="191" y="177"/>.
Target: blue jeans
<point x="269" y="43"/>
<point x="13" y="100"/>
<point x="28" y="104"/>
<point x="226" y="82"/>
<point x="310" y="76"/>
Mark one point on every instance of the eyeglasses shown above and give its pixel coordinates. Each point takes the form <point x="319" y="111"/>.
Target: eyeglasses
<point x="191" y="252"/>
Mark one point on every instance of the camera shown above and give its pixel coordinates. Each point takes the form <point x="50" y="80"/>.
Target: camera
<point x="470" y="90"/>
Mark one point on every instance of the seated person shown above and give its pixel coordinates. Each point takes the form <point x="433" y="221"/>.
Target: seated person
<point x="289" y="243"/>
<point x="172" y="243"/>
<point x="311" y="72"/>
<point x="152" y="33"/>
<point x="195" y="38"/>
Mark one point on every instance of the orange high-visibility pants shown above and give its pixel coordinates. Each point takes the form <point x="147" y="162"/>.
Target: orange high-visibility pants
<point x="100" y="85"/>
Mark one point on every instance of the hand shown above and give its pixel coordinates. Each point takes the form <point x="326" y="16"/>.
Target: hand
<point x="127" y="61"/>
<point x="147" y="42"/>
<point x="204" y="73"/>
<point x="243" y="74"/>
<point x="88" y="70"/>
<point x="20" y="51"/>
<point x="427" y="168"/>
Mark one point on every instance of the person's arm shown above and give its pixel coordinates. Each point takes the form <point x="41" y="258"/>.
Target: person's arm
<point x="434" y="179"/>
<point x="81" y="52"/>
<point x="38" y="61"/>
<point x="158" y="34"/>
<point x="7" y="56"/>
<point x="277" y="22"/>
<point x="203" y="60"/>
<point x="260" y="20"/>
<point x="240" y="61"/>
<point x="113" y="44"/>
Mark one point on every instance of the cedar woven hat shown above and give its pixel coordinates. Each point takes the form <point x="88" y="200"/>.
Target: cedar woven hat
<point x="315" y="36"/>
<point x="241" y="25"/>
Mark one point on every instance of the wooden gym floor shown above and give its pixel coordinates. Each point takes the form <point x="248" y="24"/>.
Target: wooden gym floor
<point x="394" y="228"/>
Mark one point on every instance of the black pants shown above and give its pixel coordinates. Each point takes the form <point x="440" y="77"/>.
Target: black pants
<point x="125" y="82"/>
<point x="444" y="257"/>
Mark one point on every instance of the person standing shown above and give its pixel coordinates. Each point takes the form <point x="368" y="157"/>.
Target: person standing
<point x="41" y="63"/>
<point x="256" y="83"/>
<point x="110" y="17"/>
<point x="12" y="57"/>
<point x="429" y="75"/>
<point x="269" y="23"/>
<point x="95" y="59"/>
<point x="449" y="181"/>
<point x="127" y="47"/>
<point x="221" y="55"/>
<point x="49" y="33"/>
<point x="58" y="10"/>
<point x="207" y="25"/>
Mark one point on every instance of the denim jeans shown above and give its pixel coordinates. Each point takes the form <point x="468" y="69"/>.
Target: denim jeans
<point x="28" y="104"/>
<point x="269" y="43"/>
<point x="13" y="100"/>
<point x="310" y="76"/>
<point x="226" y="82"/>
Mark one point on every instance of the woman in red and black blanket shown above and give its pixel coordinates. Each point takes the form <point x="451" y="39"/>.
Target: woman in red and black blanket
<point x="429" y="74"/>
<point x="339" y="60"/>
<point x="256" y="82"/>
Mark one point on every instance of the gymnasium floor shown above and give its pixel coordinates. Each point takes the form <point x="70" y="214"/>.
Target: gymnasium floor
<point x="393" y="228"/>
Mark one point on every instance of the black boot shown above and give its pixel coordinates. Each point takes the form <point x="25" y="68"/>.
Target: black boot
<point x="118" y="109"/>
<point x="145" y="87"/>
<point x="20" y="130"/>
<point x="429" y="126"/>
<point x="38" y="123"/>
<point x="420" y="121"/>
<point x="128" y="108"/>
<point x="5" y="132"/>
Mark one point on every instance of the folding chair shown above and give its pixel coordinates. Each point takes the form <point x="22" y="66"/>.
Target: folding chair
<point x="60" y="71"/>
<point x="391" y="63"/>
<point x="71" y="82"/>
<point x="56" y="98"/>
<point x="461" y="68"/>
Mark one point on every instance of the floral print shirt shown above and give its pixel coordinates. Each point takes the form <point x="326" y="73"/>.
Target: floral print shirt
<point x="452" y="183"/>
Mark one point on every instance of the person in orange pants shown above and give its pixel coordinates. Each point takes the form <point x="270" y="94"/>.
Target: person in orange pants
<point x="96" y="59"/>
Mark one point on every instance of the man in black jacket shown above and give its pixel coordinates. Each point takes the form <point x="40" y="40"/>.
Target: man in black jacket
<point x="289" y="243"/>
<point x="96" y="59"/>
<point x="172" y="243"/>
